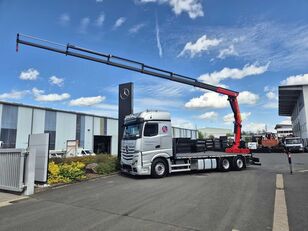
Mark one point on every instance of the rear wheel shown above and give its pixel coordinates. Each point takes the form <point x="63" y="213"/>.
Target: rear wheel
<point x="239" y="163"/>
<point x="159" y="168"/>
<point x="225" y="164"/>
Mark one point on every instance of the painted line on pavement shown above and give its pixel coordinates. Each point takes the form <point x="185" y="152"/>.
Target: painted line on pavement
<point x="280" y="221"/>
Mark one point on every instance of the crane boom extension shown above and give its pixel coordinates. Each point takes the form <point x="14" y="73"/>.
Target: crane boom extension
<point x="79" y="52"/>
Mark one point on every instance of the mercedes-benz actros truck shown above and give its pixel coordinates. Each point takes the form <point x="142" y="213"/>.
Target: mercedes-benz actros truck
<point x="148" y="148"/>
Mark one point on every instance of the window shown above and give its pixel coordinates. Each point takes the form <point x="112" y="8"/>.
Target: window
<point x="80" y="131"/>
<point x="50" y="127"/>
<point x="132" y="131"/>
<point x="151" y="129"/>
<point x="9" y="126"/>
<point x="8" y="136"/>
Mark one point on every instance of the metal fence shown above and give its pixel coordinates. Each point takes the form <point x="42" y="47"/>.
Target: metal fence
<point x="12" y="169"/>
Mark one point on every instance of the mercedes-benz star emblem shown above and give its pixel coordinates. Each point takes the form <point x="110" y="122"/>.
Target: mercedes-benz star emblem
<point x="124" y="93"/>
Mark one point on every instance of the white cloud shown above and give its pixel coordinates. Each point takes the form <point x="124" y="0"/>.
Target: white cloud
<point x="30" y="74"/>
<point x="13" y="95"/>
<point x="54" y="80"/>
<point x="286" y="121"/>
<point x="247" y="97"/>
<point x="229" y="118"/>
<point x="119" y="22"/>
<point x="230" y="51"/>
<point x="52" y="97"/>
<point x="84" y="23"/>
<point x="38" y="96"/>
<point x="136" y="28"/>
<point x="87" y="101"/>
<point x="271" y="105"/>
<point x="182" y="123"/>
<point x="192" y="7"/>
<point x="64" y="19"/>
<point x="215" y="100"/>
<point x="208" y="100"/>
<point x="271" y="95"/>
<point x="209" y="115"/>
<point x="232" y="73"/>
<point x="99" y="1"/>
<point x="201" y="45"/>
<point x="296" y="80"/>
<point x="100" y="20"/>
<point x="254" y="127"/>
<point x="160" y="50"/>
<point x="37" y="92"/>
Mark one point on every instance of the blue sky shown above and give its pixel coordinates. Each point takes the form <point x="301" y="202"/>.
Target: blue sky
<point x="248" y="46"/>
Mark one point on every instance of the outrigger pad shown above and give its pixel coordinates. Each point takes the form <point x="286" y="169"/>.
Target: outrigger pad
<point x="256" y="161"/>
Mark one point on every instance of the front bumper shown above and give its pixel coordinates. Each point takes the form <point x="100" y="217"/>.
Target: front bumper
<point x="134" y="167"/>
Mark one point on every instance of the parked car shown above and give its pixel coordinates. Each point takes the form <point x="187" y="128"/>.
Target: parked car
<point x="84" y="152"/>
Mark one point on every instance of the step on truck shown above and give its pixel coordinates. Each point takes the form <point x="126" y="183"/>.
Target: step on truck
<point x="148" y="148"/>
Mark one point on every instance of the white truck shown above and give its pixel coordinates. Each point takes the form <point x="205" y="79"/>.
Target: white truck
<point x="293" y="144"/>
<point x="148" y="148"/>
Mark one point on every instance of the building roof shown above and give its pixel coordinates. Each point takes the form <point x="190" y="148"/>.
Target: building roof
<point x="288" y="96"/>
<point x="53" y="109"/>
<point x="283" y="126"/>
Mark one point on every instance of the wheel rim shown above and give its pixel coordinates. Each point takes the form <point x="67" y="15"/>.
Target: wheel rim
<point x="160" y="169"/>
<point x="239" y="163"/>
<point x="225" y="164"/>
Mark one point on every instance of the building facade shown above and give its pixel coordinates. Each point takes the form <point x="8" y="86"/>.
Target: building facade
<point x="17" y="121"/>
<point x="97" y="133"/>
<point x="283" y="130"/>
<point x="293" y="101"/>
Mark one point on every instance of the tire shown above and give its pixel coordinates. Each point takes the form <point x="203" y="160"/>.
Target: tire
<point x="159" y="168"/>
<point x="225" y="164"/>
<point x="239" y="163"/>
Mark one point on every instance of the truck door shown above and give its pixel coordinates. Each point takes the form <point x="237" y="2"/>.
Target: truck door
<point x="151" y="139"/>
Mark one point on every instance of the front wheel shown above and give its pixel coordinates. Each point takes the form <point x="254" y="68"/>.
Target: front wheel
<point x="159" y="168"/>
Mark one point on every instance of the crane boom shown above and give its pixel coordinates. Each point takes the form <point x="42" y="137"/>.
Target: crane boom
<point x="108" y="59"/>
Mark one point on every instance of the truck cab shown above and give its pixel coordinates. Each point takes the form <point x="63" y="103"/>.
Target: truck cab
<point x="147" y="136"/>
<point x="293" y="144"/>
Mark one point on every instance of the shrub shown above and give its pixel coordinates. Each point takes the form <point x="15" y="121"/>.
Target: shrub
<point x="66" y="170"/>
<point x="65" y="173"/>
<point x="107" y="164"/>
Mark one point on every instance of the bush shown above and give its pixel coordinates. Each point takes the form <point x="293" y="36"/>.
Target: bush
<point x="66" y="170"/>
<point x="107" y="165"/>
<point x="65" y="173"/>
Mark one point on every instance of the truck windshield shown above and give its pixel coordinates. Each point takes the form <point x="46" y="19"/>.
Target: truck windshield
<point x="293" y="141"/>
<point x="132" y="131"/>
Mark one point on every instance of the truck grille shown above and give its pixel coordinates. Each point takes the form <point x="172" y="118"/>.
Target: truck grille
<point x="127" y="152"/>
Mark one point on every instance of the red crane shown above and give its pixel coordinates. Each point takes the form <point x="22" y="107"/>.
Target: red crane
<point x="79" y="52"/>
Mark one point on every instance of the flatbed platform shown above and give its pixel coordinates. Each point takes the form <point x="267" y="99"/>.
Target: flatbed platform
<point x="207" y="154"/>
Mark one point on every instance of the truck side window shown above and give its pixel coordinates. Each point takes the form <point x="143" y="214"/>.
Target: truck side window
<point x="150" y="129"/>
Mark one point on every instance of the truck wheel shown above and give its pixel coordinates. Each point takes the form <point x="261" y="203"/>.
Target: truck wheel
<point x="225" y="164"/>
<point x="239" y="163"/>
<point x="159" y="168"/>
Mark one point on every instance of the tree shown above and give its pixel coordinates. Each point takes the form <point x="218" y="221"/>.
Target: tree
<point x="200" y="135"/>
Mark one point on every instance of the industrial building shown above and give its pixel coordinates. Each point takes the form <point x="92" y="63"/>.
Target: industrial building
<point x="215" y="132"/>
<point x="293" y="101"/>
<point x="97" y="133"/>
<point x="283" y="130"/>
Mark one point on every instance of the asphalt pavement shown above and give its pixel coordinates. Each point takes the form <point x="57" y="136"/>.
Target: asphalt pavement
<point x="209" y="200"/>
